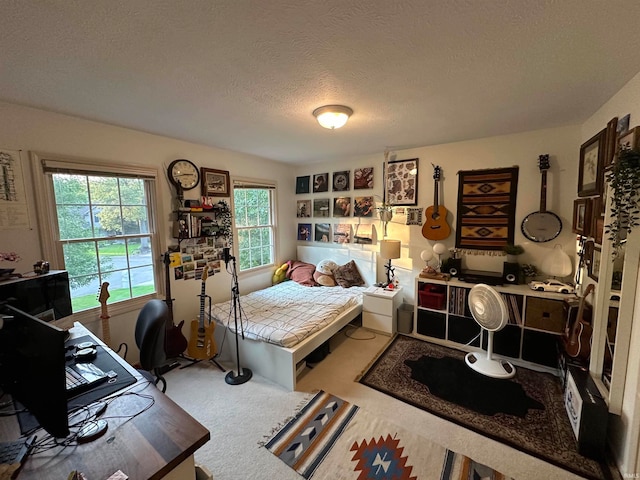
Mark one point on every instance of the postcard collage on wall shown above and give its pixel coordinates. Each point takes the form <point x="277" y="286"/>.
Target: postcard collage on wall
<point x="340" y="205"/>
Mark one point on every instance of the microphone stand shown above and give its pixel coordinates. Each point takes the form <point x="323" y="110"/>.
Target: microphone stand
<point x="243" y="375"/>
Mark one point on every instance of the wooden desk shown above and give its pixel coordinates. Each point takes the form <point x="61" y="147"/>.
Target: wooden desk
<point x="158" y="443"/>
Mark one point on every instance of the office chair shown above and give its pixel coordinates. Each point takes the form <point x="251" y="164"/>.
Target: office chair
<point x="150" y="336"/>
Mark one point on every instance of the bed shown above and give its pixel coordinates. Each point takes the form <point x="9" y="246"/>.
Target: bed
<point x="276" y="352"/>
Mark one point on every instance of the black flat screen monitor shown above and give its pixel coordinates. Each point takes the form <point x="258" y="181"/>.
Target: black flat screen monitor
<point x="32" y="368"/>
<point x="46" y="296"/>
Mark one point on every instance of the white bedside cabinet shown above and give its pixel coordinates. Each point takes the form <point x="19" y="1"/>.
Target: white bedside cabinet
<point x="379" y="309"/>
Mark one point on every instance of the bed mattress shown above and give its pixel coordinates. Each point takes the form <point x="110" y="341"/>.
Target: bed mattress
<point x="288" y="312"/>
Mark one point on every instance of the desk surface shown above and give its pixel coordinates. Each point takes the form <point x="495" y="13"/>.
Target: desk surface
<point x="147" y="446"/>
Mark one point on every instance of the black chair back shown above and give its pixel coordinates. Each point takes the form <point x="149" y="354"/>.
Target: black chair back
<point x="150" y="334"/>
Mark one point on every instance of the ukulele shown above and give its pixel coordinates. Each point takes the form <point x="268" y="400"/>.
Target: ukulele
<point x="436" y="227"/>
<point x="103" y="296"/>
<point x="174" y="341"/>
<point x="579" y="342"/>
<point x="201" y="343"/>
<point x="542" y="226"/>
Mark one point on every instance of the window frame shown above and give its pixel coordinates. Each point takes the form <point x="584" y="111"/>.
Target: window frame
<point x="243" y="183"/>
<point x="48" y="227"/>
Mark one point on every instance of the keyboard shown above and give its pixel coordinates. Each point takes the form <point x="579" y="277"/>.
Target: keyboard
<point x="12" y="454"/>
<point x="82" y="377"/>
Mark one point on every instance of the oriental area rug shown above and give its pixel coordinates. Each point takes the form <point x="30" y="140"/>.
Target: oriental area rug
<point x="525" y="412"/>
<point x="333" y="439"/>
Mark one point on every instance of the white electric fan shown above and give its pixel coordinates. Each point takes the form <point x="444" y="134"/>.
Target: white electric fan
<point x="490" y="311"/>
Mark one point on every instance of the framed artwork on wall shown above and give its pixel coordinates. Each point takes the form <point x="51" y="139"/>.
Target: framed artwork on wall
<point x="342" y="206"/>
<point x="215" y="183"/>
<point x="597" y="228"/>
<point x="303" y="208"/>
<point x="581" y="216"/>
<point x="363" y="178"/>
<point x="304" y="232"/>
<point x="320" y="183"/>
<point x="363" y="206"/>
<point x="341" y="181"/>
<point x="321" y="207"/>
<point x="590" y="173"/>
<point x="302" y="184"/>
<point x="611" y="138"/>
<point x="628" y="140"/>
<point x="322" y="232"/>
<point x="401" y="182"/>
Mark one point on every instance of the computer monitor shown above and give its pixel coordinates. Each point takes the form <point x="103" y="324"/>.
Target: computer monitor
<point x="32" y="368"/>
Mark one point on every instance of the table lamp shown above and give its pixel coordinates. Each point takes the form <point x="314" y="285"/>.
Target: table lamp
<point x="389" y="250"/>
<point x="557" y="263"/>
<point x="439" y="249"/>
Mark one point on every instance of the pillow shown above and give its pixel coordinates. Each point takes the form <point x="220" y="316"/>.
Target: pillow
<point x="302" y="273"/>
<point x="348" y="275"/>
<point x="280" y="275"/>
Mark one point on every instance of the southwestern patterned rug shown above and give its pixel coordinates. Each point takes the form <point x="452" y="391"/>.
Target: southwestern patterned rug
<point x="533" y="419"/>
<point x="331" y="438"/>
<point x="486" y="211"/>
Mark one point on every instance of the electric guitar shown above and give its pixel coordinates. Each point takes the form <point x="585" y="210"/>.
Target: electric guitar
<point x="201" y="343"/>
<point x="103" y="296"/>
<point x="175" y="343"/>
<point x="579" y="341"/>
<point x="435" y="226"/>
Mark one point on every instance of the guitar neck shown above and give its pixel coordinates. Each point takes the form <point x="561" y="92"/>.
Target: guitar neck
<point x="202" y="296"/>
<point x="167" y="280"/>
<point x="435" y="194"/>
<point x="543" y="192"/>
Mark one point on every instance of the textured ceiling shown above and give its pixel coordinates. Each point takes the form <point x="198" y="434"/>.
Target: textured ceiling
<point x="246" y="74"/>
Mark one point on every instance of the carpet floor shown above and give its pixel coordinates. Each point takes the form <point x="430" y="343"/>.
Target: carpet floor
<point x="533" y="419"/>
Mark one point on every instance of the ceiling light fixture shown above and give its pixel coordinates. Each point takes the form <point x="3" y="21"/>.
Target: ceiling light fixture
<point x="332" y="116"/>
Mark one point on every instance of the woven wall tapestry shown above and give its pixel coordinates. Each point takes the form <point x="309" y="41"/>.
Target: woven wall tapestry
<point x="486" y="209"/>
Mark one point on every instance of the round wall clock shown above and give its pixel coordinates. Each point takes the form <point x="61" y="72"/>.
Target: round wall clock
<point x="183" y="174"/>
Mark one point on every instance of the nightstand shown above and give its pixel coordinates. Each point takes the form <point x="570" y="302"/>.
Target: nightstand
<point x="379" y="309"/>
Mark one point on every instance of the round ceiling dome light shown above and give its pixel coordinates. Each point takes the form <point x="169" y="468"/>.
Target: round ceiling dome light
<point x="332" y="116"/>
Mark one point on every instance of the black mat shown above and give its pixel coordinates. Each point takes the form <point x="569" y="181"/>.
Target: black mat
<point x="436" y="379"/>
<point x="105" y="362"/>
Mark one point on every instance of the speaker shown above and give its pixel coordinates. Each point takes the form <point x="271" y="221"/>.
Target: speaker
<point x="511" y="273"/>
<point x="453" y="267"/>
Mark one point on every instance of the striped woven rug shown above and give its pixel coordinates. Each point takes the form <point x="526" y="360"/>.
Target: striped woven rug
<point x="333" y="439"/>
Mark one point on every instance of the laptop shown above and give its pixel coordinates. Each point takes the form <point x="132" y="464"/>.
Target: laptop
<point x="82" y="377"/>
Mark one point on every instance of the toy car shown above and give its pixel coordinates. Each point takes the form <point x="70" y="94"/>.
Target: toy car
<point x="551" y="286"/>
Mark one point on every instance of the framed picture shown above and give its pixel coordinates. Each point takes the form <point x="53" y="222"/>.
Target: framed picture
<point x="414" y="216"/>
<point x="594" y="265"/>
<point x="611" y="136"/>
<point x="322" y="232"/>
<point x="401" y="182"/>
<point x="623" y="124"/>
<point x="304" y="232"/>
<point x="303" y="208"/>
<point x="342" y="207"/>
<point x="341" y="181"/>
<point x="302" y="184"/>
<point x="363" y="178"/>
<point x="215" y="183"/>
<point x="320" y="183"/>
<point x="628" y="140"/>
<point x="598" y="205"/>
<point x="321" y="207"/>
<point x="363" y="207"/>
<point x="581" y="216"/>
<point x="597" y="228"/>
<point x="590" y="174"/>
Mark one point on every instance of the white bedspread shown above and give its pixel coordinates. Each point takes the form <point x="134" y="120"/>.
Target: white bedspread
<point x="287" y="313"/>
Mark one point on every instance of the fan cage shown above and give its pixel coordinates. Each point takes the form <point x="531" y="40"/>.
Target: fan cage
<point x="488" y="308"/>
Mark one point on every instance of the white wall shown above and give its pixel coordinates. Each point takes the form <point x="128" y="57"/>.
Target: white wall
<point x="495" y="152"/>
<point x="625" y="429"/>
<point x="36" y="130"/>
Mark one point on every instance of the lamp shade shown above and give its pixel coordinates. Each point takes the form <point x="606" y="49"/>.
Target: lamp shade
<point x="439" y="248"/>
<point x="426" y="255"/>
<point x="332" y="116"/>
<point x="557" y="263"/>
<point x="390" y="249"/>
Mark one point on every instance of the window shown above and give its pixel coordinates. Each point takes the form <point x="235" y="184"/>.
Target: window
<point x="253" y="206"/>
<point x="103" y="229"/>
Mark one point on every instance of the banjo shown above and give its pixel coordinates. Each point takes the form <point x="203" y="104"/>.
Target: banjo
<point x="542" y="226"/>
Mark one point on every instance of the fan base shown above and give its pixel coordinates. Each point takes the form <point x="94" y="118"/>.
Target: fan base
<point x="489" y="366"/>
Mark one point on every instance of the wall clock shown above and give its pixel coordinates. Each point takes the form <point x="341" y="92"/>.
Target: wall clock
<point x="183" y="174"/>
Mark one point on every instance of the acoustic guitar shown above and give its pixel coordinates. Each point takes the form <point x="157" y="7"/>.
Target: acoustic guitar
<point x="175" y="342"/>
<point x="542" y="226"/>
<point x="435" y="226"/>
<point x="103" y="296"/>
<point x="578" y="344"/>
<point x="201" y="343"/>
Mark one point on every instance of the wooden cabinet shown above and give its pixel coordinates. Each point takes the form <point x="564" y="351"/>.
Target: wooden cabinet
<point x="380" y="309"/>
<point x="536" y="320"/>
